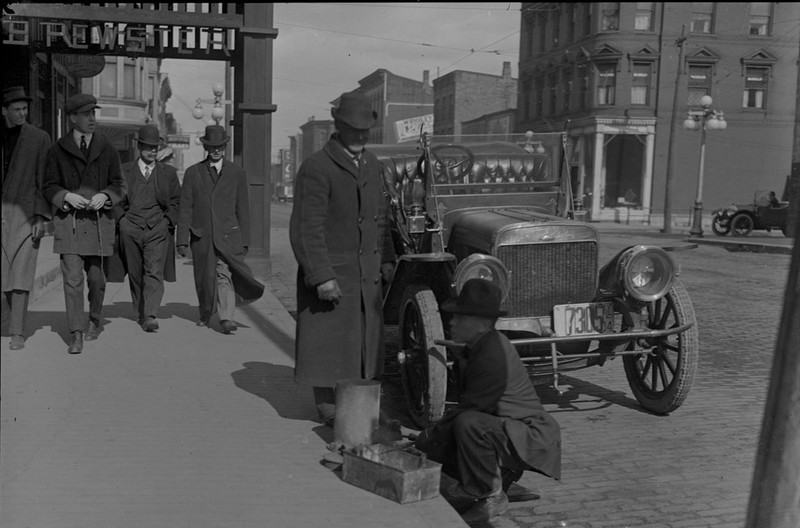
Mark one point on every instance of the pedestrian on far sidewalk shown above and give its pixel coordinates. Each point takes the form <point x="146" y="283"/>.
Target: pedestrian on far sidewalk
<point x="24" y="208"/>
<point x="215" y="224"/>
<point x="83" y="180"/>
<point x="146" y="221"/>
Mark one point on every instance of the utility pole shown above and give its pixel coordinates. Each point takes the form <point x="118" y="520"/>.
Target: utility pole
<point x="672" y="126"/>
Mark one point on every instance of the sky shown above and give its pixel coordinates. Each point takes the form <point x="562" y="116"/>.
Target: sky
<point x="322" y="50"/>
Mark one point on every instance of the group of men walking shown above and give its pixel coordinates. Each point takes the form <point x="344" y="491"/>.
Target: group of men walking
<point x="112" y="220"/>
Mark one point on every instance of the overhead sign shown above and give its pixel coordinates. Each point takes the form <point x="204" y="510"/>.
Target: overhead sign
<point x="409" y="129"/>
<point x="178" y="141"/>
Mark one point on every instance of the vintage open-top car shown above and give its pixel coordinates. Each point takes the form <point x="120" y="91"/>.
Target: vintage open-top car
<point x="501" y="211"/>
<point x="760" y="214"/>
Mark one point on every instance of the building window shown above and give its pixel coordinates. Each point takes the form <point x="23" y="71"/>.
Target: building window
<point x="129" y="81"/>
<point x="571" y="16"/>
<point x="583" y="76"/>
<point x="556" y="27"/>
<point x="542" y="32"/>
<point x="539" y="98"/>
<point x="755" y="88"/>
<point x="610" y="20"/>
<point x="587" y="18"/>
<point x="108" y="80"/>
<point x="530" y="28"/>
<point x="552" y="94"/>
<point x="699" y="83"/>
<point x="606" y="83"/>
<point x="702" y="17"/>
<point x="640" y="84"/>
<point x="760" y="18"/>
<point x="565" y="101"/>
<point x="644" y="16"/>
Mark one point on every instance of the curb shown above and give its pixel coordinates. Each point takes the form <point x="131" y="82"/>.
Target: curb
<point x="753" y="247"/>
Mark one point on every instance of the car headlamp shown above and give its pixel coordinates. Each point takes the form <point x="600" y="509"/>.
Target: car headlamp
<point x="480" y="266"/>
<point x="645" y="272"/>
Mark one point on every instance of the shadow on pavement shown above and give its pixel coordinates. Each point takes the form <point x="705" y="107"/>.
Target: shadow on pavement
<point x="581" y="396"/>
<point x="275" y="384"/>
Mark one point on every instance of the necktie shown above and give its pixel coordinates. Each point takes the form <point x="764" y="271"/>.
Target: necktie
<point x="214" y="174"/>
<point x="84" y="146"/>
<point x="147" y="172"/>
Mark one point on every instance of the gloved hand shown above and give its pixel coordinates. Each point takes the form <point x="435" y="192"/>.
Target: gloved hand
<point x="37" y="229"/>
<point x="182" y="251"/>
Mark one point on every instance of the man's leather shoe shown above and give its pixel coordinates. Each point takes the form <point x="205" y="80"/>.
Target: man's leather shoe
<point x="17" y="342"/>
<point x="150" y="324"/>
<point x="76" y="346"/>
<point x="92" y="330"/>
<point x="486" y="509"/>
<point x="228" y="327"/>
<point x="202" y="322"/>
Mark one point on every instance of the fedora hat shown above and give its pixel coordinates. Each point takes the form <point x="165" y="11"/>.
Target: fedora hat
<point x="148" y="135"/>
<point x="214" y="136"/>
<point x="12" y="94"/>
<point x="81" y="103"/>
<point x="477" y="297"/>
<point x="355" y="109"/>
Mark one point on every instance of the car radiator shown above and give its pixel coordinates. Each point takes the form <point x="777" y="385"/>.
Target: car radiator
<point x="543" y="275"/>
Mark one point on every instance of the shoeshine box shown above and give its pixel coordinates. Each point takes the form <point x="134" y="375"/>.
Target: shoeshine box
<point x="394" y="470"/>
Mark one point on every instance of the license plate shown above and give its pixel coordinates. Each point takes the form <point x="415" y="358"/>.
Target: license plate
<point x="583" y="318"/>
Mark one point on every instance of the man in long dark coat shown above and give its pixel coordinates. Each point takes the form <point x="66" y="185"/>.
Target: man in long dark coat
<point x="215" y="223"/>
<point x="499" y="428"/>
<point x="340" y="238"/>
<point x="24" y="208"/>
<point x="146" y="219"/>
<point x="83" y="180"/>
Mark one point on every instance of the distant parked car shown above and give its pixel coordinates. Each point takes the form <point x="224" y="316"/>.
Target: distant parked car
<point x="742" y="219"/>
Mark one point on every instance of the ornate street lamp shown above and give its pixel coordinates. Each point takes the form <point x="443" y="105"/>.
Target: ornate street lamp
<point x="707" y="118"/>
<point x="218" y="112"/>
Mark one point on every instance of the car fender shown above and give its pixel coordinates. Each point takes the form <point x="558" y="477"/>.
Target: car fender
<point x="431" y="269"/>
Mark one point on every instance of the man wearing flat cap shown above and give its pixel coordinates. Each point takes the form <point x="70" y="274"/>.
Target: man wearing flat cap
<point x="146" y="220"/>
<point x="339" y="232"/>
<point x="499" y="428"/>
<point x="24" y="208"/>
<point x="83" y="180"/>
<point x="215" y="223"/>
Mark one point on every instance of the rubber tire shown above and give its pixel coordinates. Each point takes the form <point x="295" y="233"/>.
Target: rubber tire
<point x="719" y="231"/>
<point x="746" y="227"/>
<point x="676" y="355"/>
<point x="424" y="371"/>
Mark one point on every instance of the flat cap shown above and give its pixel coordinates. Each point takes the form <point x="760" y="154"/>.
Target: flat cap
<point x="81" y="103"/>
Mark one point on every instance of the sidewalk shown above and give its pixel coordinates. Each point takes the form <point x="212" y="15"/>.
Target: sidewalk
<point x="184" y="428"/>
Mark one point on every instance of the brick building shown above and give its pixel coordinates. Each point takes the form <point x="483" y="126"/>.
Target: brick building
<point x="463" y="95"/>
<point x="315" y="133"/>
<point x="620" y="77"/>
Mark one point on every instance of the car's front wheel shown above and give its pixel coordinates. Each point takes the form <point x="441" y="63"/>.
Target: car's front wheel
<point x="423" y="366"/>
<point x="661" y="376"/>
<point x="718" y="228"/>
<point x="742" y="225"/>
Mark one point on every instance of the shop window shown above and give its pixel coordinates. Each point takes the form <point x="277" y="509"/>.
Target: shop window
<point x="699" y="83"/>
<point x="760" y="18"/>
<point x="755" y="88"/>
<point x="606" y="83"/>
<point x="108" y="80"/>
<point x="644" y="16"/>
<point x="640" y="84"/>
<point x="702" y="17"/>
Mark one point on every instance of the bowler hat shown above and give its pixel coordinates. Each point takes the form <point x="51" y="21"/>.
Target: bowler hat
<point x="477" y="297"/>
<point x="215" y="136"/>
<point x="81" y="103"/>
<point x="13" y="94"/>
<point x="148" y="135"/>
<point x="355" y="109"/>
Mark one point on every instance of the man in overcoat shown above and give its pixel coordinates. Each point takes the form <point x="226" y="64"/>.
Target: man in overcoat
<point x="146" y="221"/>
<point x="83" y="180"/>
<point x="339" y="235"/>
<point x="499" y="428"/>
<point x="215" y="223"/>
<point x="24" y="208"/>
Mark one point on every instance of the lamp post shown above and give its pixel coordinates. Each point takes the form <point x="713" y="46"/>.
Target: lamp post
<point x="218" y="112"/>
<point x="705" y="119"/>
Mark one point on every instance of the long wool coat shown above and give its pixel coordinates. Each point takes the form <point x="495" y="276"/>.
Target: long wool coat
<point x="338" y="231"/>
<point x="168" y="196"/>
<point x="83" y="232"/>
<point x="493" y="380"/>
<point x="215" y="218"/>
<point x="22" y="200"/>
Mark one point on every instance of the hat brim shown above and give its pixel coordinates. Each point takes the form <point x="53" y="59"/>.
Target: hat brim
<point x="358" y="122"/>
<point x="208" y="143"/>
<point x="452" y="306"/>
<point x="85" y="108"/>
<point x="18" y="99"/>
<point x="159" y="143"/>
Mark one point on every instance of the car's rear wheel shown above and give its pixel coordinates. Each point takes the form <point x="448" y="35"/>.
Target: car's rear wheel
<point x="742" y="225"/>
<point x="662" y="375"/>
<point x="718" y="228"/>
<point x="423" y="368"/>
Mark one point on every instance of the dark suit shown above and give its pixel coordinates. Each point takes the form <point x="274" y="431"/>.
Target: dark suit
<point x="215" y="223"/>
<point x="147" y="218"/>
<point x="499" y="422"/>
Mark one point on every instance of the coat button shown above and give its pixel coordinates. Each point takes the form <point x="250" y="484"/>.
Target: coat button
<point x="375" y="218"/>
<point x="360" y="219"/>
<point x="376" y="281"/>
<point x="360" y="251"/>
